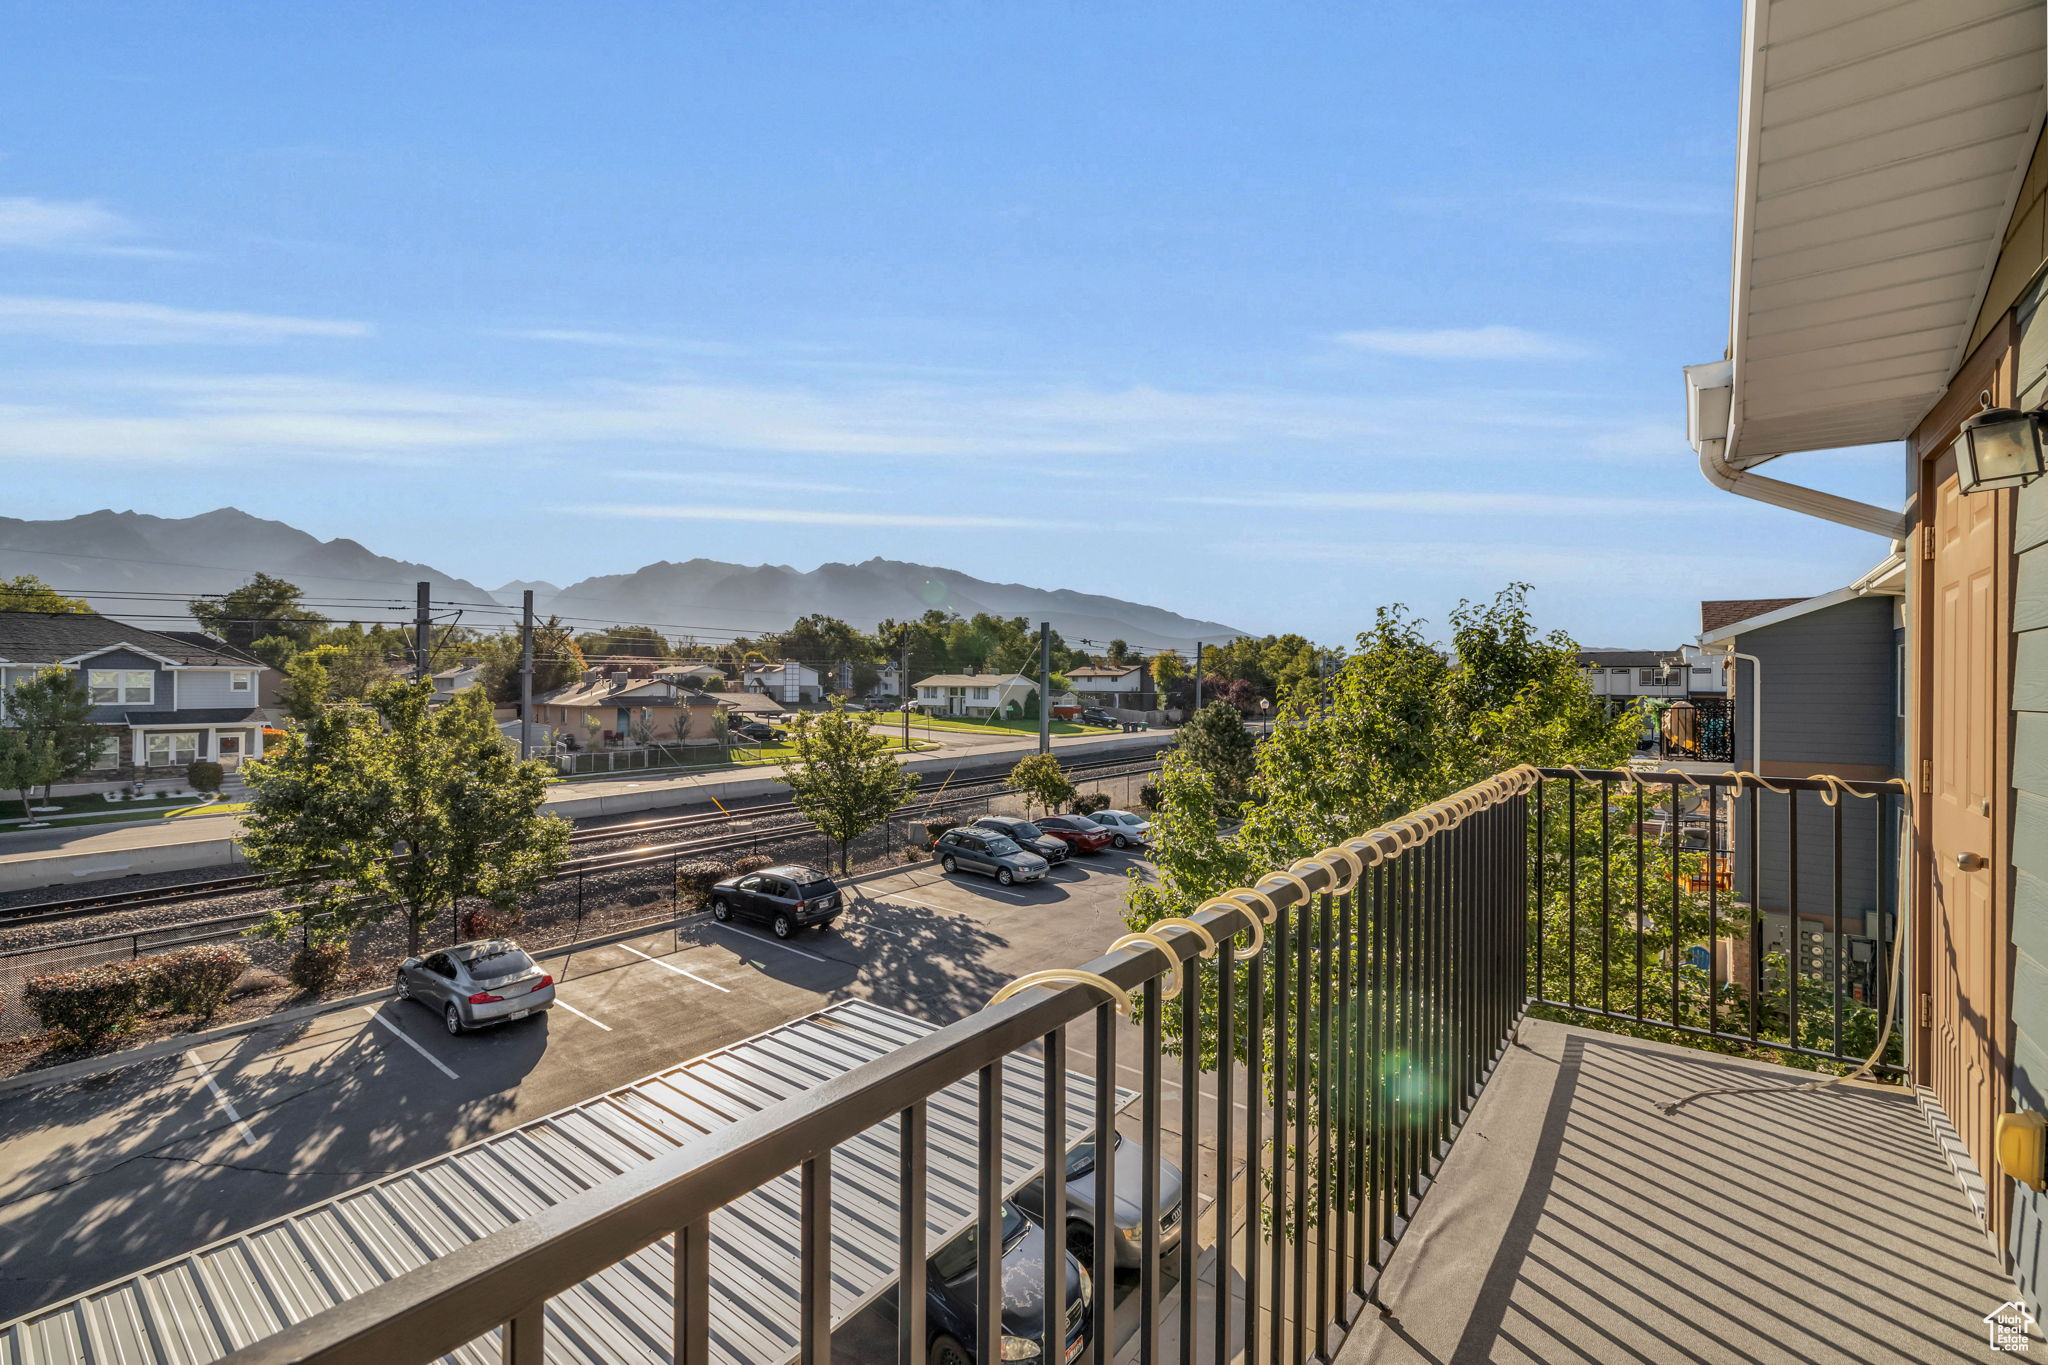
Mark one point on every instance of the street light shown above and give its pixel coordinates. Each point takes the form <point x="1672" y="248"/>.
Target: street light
<point x="1999" y="448"/>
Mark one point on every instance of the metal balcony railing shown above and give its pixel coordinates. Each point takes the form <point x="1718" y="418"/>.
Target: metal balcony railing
<point x="1352" y="1007"/>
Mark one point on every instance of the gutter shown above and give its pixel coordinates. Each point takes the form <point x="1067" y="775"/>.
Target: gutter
<point x="1709" y="402"/>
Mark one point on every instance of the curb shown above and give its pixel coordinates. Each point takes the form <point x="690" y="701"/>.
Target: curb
<point x="168" y="1047"/>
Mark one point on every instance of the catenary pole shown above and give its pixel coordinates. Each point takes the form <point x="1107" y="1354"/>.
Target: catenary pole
<point x="526" y="674"/>
<point x="1045" y="687"/>
<point x="423" y="629"/>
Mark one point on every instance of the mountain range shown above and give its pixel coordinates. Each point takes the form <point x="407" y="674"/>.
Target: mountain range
<point x="142" y="568"/>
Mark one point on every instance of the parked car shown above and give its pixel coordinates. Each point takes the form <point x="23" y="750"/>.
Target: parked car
<point x="1095" y="715"/>
<point x="968" y="849"/>
<point x="1130" y="1185"/>
<point x="1078" y="832"/>
<point x="1125" y="829"/>
<point x="490" y="981"/>
<point x="785" y="898"/>
<point x="950" y="1297"/>
<point x="852" y="706"/>
<point x="1029" y="837"/>
<point x="760" y="733"/>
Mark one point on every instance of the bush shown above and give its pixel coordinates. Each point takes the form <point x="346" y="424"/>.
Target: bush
<point x="91" y="1004"/>
<point x="913" y="854"/>
<point x="204" y="777"/>
<point x="694" y="880"/>
<point x="488" y="921"/>
<point x="1149" y="796"/>
<point x="753" y="862"/>
<point x="193" y="980"/>
<point x="938" y="825"/>
<point x="318" y="965"/>
<point x="1087" y="803"/>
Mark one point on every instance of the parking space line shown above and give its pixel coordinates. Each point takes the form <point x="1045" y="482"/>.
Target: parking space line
<point x="220" y="1097"/>
<point x="778" y="943"/>
<point x="942" y="909"/>
<point x="580" y="1014"/>
<point x="412" y="1043"/>
<point x="679" y="971"/>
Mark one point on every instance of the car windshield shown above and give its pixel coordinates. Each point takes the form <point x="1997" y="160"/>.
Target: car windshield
<point x="818" y="888"/>
<point x="1002" y="843"/>
<point x="957" y="1258"/>
<point x="499" y="961"/>
<point x="1024" y="829"/>
<point x="1081" y="1160"/>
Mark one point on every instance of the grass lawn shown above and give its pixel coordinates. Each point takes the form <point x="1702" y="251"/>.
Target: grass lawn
<point x="749" y="756"/>
<point x="94" y="810"/>
<point x="969" y="725"/>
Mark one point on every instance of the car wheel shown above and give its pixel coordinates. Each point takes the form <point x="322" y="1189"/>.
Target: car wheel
<point x="946" y="1351"/>
<point x="949" y="864"/>
<point x="404" y="986"/>
<point x="720" y="911"/>
<point x="1122" y="842"/>
<point x="1004" y="876"/>
<point x="784" y="926"/>
<point x="452" y="1018"/>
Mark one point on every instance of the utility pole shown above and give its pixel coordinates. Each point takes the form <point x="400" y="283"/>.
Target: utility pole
<point x="1045" y="687"/>
<point x="1198" y="675"/>
<point x="903" y="690"/>
<point x="526" y="675"/>
<point x="423" y="626"/>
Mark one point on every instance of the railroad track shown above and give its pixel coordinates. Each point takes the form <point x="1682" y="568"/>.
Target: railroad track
<point x="670" y="836"/>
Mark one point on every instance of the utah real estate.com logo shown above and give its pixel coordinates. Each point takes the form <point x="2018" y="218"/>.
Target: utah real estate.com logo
<point x="2009" y="1327"/>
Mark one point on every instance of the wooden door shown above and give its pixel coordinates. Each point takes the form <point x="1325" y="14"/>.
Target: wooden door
<point x="1963" y="940"/>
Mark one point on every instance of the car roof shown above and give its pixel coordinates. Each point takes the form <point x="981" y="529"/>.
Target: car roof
<point x="483" y="947"/>
<point x="796" y="872"/>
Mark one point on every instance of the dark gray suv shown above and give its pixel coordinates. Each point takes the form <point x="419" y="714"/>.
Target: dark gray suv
<point x="786" y="898"/>
<point x="1028" y="836"/>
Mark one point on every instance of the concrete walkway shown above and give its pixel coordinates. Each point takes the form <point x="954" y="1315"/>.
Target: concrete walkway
<point x="1575" y="1221"/>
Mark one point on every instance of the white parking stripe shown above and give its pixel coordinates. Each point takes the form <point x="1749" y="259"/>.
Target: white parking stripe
<point x="775" y="943"/>
<point x="679" y="971"/>
<point x="580" y="1014"/>
<point x="220" y="1097"/>
<point x="409" y="1041"/>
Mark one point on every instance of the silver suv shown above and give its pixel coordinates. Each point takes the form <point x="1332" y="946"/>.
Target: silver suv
<point x="490" y="981"/>
<point x="985" y="851"/>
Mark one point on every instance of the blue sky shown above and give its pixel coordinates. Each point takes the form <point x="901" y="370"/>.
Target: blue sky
<point x="1266" y="313"/>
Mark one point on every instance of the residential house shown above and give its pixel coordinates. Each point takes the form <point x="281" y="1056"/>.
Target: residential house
<point x="697" y="675"/>
<point x="1128" y="686"/>
<point x="449" y="681"/>
<point x="1630" y="673"/>
<point x="788" y="682"/>
<point x="975" y="694"/>
<point x="1890" y="239"/>
<point x="166" y="698"/>
<point x="616" y="707"/>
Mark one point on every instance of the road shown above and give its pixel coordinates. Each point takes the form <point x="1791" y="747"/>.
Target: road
<point x="103" y="1177"/>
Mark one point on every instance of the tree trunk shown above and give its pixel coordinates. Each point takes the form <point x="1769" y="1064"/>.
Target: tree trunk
<point x="412" y="932"/>
<point x="27" y="801"/>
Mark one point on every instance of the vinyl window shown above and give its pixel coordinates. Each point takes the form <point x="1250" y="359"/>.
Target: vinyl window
<point x="121" y="686"/>
<point x="241" y="681"/>
<point x="172" y="748"/>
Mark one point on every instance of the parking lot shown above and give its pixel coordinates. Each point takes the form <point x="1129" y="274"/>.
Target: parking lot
<point x="233" y="1132"/>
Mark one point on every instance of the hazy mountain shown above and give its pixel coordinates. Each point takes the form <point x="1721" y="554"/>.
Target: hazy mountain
<point x="125" y="563"/>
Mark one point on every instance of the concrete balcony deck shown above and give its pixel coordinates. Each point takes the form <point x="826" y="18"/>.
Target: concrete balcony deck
<point x="1576" y="1221"/>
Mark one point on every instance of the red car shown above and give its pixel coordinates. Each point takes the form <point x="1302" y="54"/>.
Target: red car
<point x="1077" y="832"/>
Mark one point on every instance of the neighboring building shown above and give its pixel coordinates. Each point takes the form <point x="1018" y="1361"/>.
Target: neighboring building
<point x="1888" y="262"/>
<point x="1648" y="673"/>
<point x="975" y="694"/>
<point x="1126" y="687"/>
<point x="692" y="675"/>
<point x="460" y="678"/>
<point x="604" y="708"/>
<point x="166" y="698"/>
<point x="788" y="682"/>
<point x="889" y="683"/>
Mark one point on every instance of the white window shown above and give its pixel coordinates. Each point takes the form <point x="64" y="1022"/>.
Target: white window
<point x="171" y="749"/>
<point x="241" y="681"/>
<point x="121" y="687"/>
<point x="109" y="754"/>
<point x="981" y="693"/>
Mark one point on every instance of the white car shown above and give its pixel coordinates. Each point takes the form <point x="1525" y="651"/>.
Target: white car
<point x="1125" y="829"/>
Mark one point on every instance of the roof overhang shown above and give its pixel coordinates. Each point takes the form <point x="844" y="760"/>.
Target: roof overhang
<point x="78" y="659"/>
<point x="1881" y="150"/>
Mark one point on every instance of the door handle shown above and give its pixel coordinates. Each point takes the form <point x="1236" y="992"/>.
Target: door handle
<point x="1969" y="862"/>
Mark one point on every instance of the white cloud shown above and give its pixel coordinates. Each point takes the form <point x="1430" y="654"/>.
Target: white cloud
<point x="1463" y="343"/>
<point x="764" y="483"/>
<point x="102" y="323"/>
<point x="1453" y="502"/>
<point x="74" y="225"/>
<point x="787" y="516"/>
<point x="623" y="341"/>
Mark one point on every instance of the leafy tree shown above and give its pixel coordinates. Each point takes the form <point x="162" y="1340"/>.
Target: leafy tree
<point x="265" y="609"/>
<point x="56" y="707"/>
<point x="557" y="661"/>
<point x="1041" y="781"/>
<point x="392" y="807"/>
<point x="842" y="776"/>
<point x="643" y="642"/>
<point x="1216" y="741"/>
<point x="26" y="592"/>
<point x="1167" y="669"/>
<point x="1119" y="654"/>
<point x="329" y="673"/>
<point x="27" y="761"/>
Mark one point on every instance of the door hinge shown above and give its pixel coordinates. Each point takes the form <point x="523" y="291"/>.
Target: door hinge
<point x="1927" y="542"/>
<point x="1927" y="776"/>
<point x="1926" y="1010"/>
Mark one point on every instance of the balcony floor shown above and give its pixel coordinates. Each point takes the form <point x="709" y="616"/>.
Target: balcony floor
<point x="1575" y="1221"/>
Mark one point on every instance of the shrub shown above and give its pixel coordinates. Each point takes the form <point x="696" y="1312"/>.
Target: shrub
<point x="204" y="777"/>
<point x="91" y="1004"/>
<point x="318" y="965"/>
<point x="488" y="921"/>
<point x="194" y="980"/>
<point x="753" y="862"/>
<point x="1087" y="803"/>
<point x="694" y="880"/>
<point x="1149" y="796"/>
<point x="913" y="854"/>
<point x="938" y="825"/>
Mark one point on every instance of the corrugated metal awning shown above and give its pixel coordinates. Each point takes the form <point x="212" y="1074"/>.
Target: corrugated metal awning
<point x="221" y="1297"/>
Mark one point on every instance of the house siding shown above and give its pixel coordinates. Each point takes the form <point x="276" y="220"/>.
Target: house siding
<point x="207" y="689"/>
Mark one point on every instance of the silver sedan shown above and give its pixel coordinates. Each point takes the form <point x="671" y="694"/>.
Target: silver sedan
<point x="491" y="981"/>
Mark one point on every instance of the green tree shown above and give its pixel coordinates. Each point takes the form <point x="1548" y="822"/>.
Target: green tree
<point x="842" y="776"/>
<point x="27" y="761"/>
<point x="1119" y="654"/>
<point x="392" y="807"/>
<point x="1041" y="781"/>
<point x="1216" y="741"/>
<point x="1167" y="669"/>
<point x="557" y="661"/>
<point x="328" y="673"/>
<point x="263" y="609"/>
<point x="54" y="708"/>
<point x="26" y="592"/>
<point x="641" y="642"/>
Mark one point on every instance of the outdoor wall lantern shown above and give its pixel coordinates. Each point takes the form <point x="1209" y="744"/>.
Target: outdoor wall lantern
<point x="1999" y="448"/>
